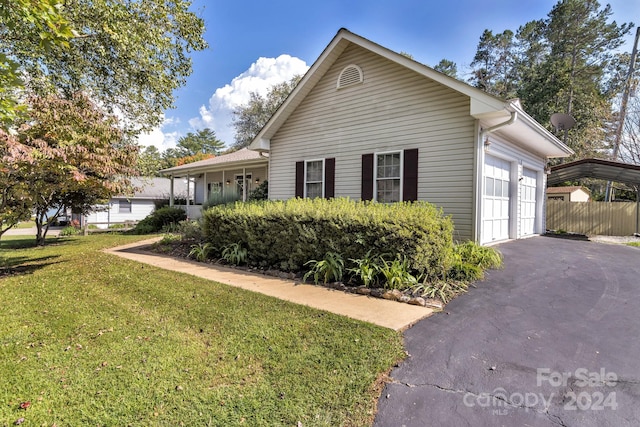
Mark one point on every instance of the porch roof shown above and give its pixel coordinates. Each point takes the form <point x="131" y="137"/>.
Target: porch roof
<point x="238" y="159"/>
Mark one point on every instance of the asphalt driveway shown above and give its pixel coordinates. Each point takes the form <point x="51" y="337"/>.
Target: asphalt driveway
<point x="553" y="339"/>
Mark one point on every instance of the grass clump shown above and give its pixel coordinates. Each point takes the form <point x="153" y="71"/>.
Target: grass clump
<point x="328" y="269"/>
<point x="91" y="339"/>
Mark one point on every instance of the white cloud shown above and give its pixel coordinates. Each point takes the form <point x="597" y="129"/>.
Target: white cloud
<point x="159" y="137"/>
<point x="262" y="74"/>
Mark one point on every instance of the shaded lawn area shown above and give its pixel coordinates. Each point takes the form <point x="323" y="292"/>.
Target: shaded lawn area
<point x="91" y="339"/>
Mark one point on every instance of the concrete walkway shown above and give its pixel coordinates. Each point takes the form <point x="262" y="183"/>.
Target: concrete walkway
<point x="389" y="314"/>
<point x="53" y="231"/>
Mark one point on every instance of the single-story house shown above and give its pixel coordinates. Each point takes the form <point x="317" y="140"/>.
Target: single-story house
<point x="569" y="194"/>
<point x="148" y="193"/>
<point x="235" y="174"/>
<point x="369" y="123"/>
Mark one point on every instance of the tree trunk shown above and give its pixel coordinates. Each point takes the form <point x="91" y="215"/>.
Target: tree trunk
<point x="42" y="226"/>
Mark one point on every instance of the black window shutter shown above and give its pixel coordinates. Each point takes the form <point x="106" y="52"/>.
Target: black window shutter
<point x="329" y="178"/>
<point x="410" y="176"/>
<point x="300" y="179"/>
<point x="367" y="177"/>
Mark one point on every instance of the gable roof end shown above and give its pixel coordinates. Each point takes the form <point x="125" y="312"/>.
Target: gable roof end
<point x="483" y="106"/>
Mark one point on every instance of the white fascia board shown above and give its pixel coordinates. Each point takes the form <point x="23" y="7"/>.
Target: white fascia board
<point x="556" y="148"/>
<point x="260" y="145"/>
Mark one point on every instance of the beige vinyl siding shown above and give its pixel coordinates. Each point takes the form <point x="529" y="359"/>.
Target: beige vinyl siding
<point x="394" y="109"/>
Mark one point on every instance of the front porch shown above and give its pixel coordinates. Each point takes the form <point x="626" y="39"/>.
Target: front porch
<point x="225" y="178"/>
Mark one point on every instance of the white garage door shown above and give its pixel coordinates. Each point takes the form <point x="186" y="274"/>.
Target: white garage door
<point x="495" y="206"/>
<point x="528" y="202"/>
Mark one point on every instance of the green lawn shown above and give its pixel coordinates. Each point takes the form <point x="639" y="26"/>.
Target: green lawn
<point x="26" y="224"/>
<point x="634" y="244"/>
<point x="91" y="339"/>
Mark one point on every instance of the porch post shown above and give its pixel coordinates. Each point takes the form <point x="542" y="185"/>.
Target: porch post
<point x="171" y="198"/>
<point x="224" y="183"/>
<point x="188" y="191"/>
<point x="205" y="195"/>
<point x="244" y="184"/>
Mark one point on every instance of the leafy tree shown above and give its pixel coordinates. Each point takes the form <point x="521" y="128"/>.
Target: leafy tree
<point x="130" y="55"/>
<point x="194" y="158"/>
<point x="15" y="203"/>
<point x="203" y="141"/>
<point x="79" y="157"/>
<point x="630" y="143"/>
<point x="492" y="65"/>
<point x="447" y="67"/>
<point x="40" y="20"/>
<point x="249" y="119"/>
<point x="150" y="161"/>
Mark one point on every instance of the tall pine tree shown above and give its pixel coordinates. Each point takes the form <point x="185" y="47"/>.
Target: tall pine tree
<point x="558" y="65"/>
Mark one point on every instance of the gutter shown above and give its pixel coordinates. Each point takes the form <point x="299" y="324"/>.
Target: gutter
<point x="512" y="120"/>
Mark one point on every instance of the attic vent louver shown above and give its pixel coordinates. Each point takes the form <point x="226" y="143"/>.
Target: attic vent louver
<point x="350" y="75"/>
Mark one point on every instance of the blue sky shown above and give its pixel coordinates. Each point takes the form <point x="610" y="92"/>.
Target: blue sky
<point x="255" y="44"/>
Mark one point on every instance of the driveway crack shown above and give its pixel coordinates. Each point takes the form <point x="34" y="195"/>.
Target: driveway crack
<point x="490" y="397"/>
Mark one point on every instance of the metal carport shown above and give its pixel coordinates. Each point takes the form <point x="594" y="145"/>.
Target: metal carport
<point x="607" y="170"/>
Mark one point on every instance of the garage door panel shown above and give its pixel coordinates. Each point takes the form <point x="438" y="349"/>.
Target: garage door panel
<point x="528" y="190"/>
<point x="495" y="220"/>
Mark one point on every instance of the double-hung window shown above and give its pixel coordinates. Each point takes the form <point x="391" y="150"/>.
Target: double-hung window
<point x="124" y="206"/>
<point x="314" y="179"/>
<point x="388" y="177"/>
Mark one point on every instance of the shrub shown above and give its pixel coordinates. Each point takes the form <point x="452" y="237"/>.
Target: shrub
<point x="464" y="271"/>
<point x="287" y="234"/>
<point x="481" y="256"/>
<point x="191" y="230"/>
<point x="169" y="239"/>
<point x="469" y="260"/>
<point x="260" y="193"/>
<point x="160" y="219"/>
<point x="69" y="231"/>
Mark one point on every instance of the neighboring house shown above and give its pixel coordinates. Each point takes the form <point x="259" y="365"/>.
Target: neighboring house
<point x="231" y="175"/>
<point x="369" y="123"/>
<point x="137" y="206"/>
<point x="569" y="194"/>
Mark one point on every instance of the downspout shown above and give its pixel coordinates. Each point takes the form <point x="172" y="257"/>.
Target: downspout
<point x="480" y="164"/>
<point x="485" y="132"/>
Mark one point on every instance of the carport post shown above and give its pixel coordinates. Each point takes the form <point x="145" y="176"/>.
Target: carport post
<point x="637" y="209"/>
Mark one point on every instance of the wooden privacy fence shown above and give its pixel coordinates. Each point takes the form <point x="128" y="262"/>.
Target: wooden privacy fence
<point x="608" y="219"/>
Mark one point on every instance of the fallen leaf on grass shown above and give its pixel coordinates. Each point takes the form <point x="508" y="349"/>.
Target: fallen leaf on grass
<point x="19" y="421"/>
<point x="25" y="405"/>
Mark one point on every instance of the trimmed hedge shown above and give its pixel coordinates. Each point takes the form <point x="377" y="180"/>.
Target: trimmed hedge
<point x="287" y="234"/>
